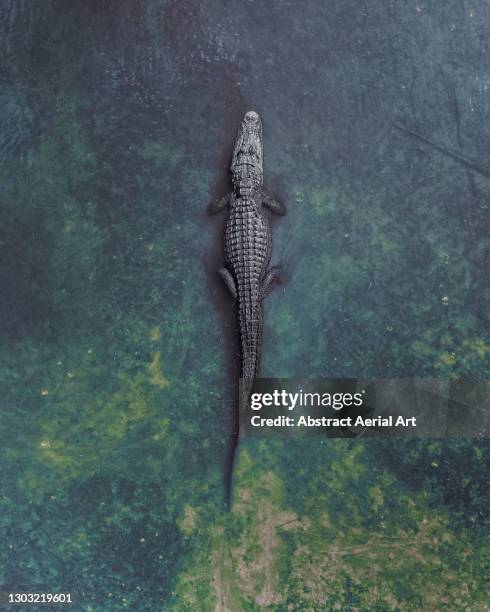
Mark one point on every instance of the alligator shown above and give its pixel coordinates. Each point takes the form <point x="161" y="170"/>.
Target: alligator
<point x="248" y="246"/>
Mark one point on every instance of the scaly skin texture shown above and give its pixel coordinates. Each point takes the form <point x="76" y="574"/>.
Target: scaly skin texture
<point x="248" y="246"/>
<point x="248" y="239"/>
<point x="247" y="255"/>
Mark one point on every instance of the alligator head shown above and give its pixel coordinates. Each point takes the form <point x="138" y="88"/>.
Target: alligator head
<point x="246" y="164"/>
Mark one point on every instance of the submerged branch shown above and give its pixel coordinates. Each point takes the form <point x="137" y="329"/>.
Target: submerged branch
<point x="445" y="151"/>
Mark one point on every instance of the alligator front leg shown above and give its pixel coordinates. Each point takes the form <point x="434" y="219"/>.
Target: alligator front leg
<point x="272" y="204"/>
<point x="270" y="281"/>
<point x="219" y="204"/>
<point x="229" y="281"/>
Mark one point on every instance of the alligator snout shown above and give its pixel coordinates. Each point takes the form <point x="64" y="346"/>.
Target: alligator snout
<point x="252" y="116"/>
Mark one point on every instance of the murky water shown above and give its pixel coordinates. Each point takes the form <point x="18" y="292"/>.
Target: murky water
<point x="119" y="352"/>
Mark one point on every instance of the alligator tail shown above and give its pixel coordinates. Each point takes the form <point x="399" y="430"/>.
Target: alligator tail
<point x="251" y="340"/>
<point x="251" y="335"/>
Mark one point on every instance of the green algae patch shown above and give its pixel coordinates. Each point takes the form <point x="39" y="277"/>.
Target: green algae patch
<point x="268" y="556"/>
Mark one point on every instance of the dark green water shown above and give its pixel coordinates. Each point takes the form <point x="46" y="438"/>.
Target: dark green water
<point x="118" y="354"/>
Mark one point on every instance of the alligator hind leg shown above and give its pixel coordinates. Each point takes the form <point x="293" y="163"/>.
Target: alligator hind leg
<point x="229" y="281"/>
<point x="271" y="279"/>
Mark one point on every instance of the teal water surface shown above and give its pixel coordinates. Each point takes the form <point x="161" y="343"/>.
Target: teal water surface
<point x="118" y="353"/>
